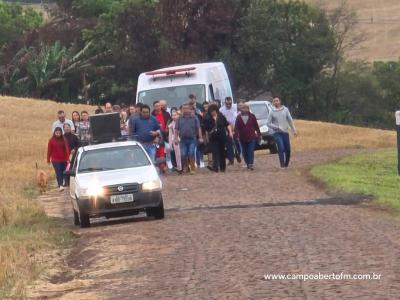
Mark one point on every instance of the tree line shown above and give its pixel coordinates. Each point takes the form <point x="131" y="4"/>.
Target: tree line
<point x="93" y="51"/>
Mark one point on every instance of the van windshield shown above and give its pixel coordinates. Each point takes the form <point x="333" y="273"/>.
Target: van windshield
<point x="175" y="95"/>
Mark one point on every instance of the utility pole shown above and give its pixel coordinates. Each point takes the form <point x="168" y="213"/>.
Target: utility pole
<point x="398" y="140"/>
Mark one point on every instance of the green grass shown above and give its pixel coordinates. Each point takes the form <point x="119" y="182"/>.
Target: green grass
<point x="23" y="239"/>
<point x="368" y="173"/>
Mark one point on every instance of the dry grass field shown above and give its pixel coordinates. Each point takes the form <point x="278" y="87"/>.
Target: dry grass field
<point x="320" y="135"/>
<point x="25" y="127"/>
<point x="25" y="231"/>
<point x="379" y="20"/>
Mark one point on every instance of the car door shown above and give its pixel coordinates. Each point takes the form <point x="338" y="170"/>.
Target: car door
<point x="72" y="182"/>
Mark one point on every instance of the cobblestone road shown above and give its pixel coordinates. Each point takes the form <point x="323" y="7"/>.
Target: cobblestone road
<point x="221" y="235"/>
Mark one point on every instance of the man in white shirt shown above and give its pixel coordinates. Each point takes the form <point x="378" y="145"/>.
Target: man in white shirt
<point x="108" y="108"/>
<point x="230" y="111"/>
<point x="60" y="122"/>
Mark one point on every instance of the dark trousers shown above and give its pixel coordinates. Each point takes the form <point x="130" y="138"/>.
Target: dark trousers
<point x="173" y="159"/>
<point x="218" y="153"/>
<point x="248" y="152"/>
<point x="59" y="168"/>
<point x="283" y="143"/>
<point x="232" y="148"/>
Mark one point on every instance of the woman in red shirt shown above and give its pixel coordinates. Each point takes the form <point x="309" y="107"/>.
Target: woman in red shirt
<point x="162" y="117"/>
<point x="58" y="155"/>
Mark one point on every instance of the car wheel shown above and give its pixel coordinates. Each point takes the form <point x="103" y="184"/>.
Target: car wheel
<point x="273" y="149"/>
<point x="84" y="220"/>
<point x="156" y="212"/>
<point x="76" y="218"/>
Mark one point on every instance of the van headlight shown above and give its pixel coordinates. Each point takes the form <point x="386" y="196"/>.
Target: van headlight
<point x="93" y="190"/>
<point x="150" y="186"/>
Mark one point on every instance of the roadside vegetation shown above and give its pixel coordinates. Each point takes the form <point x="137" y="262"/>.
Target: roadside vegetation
<point x="26" y="233"/>
<point x="372" y="173"/>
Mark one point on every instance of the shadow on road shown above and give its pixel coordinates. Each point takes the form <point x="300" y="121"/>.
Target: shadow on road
<point x="340" y="200"/>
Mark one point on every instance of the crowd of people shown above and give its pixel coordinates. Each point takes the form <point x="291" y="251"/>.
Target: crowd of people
<point x="179" y="138"/>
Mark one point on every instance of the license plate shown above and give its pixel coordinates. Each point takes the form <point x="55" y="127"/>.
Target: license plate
<point x="121" y="198"/>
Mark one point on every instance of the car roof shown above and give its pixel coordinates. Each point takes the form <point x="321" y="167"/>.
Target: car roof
<point x="109" y="145"/>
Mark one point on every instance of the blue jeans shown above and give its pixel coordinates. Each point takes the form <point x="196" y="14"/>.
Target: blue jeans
<point x="248" y="152"/>
<point x="283" y="143"/>
<point x="188" y="148"/>
<point x="151" y="151"/>
<point x="233" y="148"/>
<point x="199" y="156"/>
<point x="59" y="168"/>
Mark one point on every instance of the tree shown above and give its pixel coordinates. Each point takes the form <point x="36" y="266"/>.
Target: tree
<point x="326" y="88"/>
<point x="388" y="75"/>
<point x="54" y="71"/>
<point x="131" y="33"/>
<point x="282" y="46"/>
<point x="91" y="8"/>
<point x="16" y="20"/>
<point x="195" y="31"/>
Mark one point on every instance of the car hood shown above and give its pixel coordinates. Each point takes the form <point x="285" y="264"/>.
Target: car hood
<point x="121" y="176"/>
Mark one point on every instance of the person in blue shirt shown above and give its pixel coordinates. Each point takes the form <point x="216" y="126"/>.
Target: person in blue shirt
<point x="145" y="129"/>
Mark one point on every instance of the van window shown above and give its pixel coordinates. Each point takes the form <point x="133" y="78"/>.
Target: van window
<point x="175" y="95"/>
<point x="211" y="92"/>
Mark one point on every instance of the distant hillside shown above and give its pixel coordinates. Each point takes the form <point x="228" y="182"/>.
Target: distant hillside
<point x="380" y="21"/>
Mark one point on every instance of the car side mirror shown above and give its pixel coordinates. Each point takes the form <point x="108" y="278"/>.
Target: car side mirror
<point x="71" y="173"/>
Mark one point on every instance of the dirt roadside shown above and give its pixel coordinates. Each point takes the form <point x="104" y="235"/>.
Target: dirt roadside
<point x="221" y="235"/>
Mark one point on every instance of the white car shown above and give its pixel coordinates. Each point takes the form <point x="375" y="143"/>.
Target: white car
<point x="113" y="180"/>
<point x="261" y="110"/>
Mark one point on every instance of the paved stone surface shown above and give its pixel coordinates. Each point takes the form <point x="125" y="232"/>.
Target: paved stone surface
<point x="201" y="253"/>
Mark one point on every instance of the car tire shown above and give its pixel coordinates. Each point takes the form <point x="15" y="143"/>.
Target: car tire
<point x="273" y="149"/>
<point x="156" y="212"/>
<point x="76" y="217"/>
<point x="84" y="220"/>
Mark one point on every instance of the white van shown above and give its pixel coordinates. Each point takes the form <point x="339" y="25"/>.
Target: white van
<point x="207" y="81"/>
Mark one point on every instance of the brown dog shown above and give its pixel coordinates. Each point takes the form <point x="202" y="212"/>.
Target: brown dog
<point x="41" y="179"/>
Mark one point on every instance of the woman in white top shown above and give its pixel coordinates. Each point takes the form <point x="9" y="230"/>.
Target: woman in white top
<point x="175" y="149"/>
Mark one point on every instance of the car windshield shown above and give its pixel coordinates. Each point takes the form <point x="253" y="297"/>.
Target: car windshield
<point x="260" y="110"/>
<point x="112" y="159"/>
<point x="175" y="95"/>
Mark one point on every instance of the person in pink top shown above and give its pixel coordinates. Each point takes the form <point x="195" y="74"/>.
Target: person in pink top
<point x="175" y="148"/>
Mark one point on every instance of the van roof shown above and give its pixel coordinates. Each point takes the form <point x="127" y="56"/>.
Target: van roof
<point x="200" y="74"/>
<point x="197" y="66"/>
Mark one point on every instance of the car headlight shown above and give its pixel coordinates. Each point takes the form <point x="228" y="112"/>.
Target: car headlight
<point x="151" y="186"/>
<point x="93" y="190"/>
